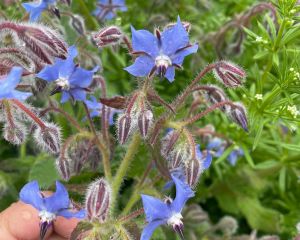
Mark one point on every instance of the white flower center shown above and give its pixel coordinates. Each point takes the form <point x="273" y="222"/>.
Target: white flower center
<point x="163" y="60"/>
<point x="175" y="219"/>
<point x="46" y="216"/>
<point x="63" y="83"/>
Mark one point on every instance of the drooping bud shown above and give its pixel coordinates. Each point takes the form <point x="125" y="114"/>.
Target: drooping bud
<point x="77" y="22"/>
<point x="144" y="122"/>
<point x="239" y="115"/>
<point x="228" y="225"/>
<point x="98" y="198"/>
<point x="124" y="126"/>
<point x="111" y="35"/>
<point x="64" y="168"/>
<point x="15" y="133"/>
<point x="216" y="95"/>
<point x="48" y="138"/>
<point x="229" y="74"/>
<point x="194" y="214"/>
<point x="55" y="11"/>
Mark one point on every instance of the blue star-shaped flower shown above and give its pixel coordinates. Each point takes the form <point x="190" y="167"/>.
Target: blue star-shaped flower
<point x="57" y="204"/>
<point x="35" y="9"/>
<point x="95" y="108"/>
<point x="8" y="85"/>
<point x="71" y="80"/>
<point x="160" y="54"/>
<point x="106" y="9"/>
<point x="168" y="212"/>
<point x="218" y="146"/>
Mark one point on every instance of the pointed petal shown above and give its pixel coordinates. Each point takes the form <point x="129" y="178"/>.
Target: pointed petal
<point x="183" y="193"/>
<point x="59" y="200"/>
<point x="198" y="151"/>
<point x="68" y="66"/>
<point x="78" y="94"/>
<point x="82" y="77"/>
<point x="51" y="72"/>
<point x="12" y="80"/>
<point x="65" y="97"/>
<point x="155" y="208"/>
<point x="68" y="214"/>
<point x="215" y="143"/>
<point x="170" y="74"/>
<point x="30" y="194"/>
<point x="174" y="38"/>
<point x="148" y="230"/>
<point x="232" y="158"/>
<point x="144" y="41"/>
<point x="34" y="10"/>
<point x="207" y="162"/>
<point x="141" y="67"/>
<point x="22" y="96"/>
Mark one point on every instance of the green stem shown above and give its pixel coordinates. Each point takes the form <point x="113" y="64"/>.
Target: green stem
<point x="117" y="181"/>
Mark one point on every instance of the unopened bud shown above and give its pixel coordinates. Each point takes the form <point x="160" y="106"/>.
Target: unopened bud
<point x="124" y="125"/>
<point x="111" y="35"/>
<point x="228" y="225"/>
<point x="229" y="74"/>
<point x="216" y="95"/>
<point x="48" y="138"/>
<point x="98" y="198"/>
<point x="194" y="214"/>
<point x="15" y="134"/>
<point x="64" y="166"/>
<point x="144" y="122"/>
<point x="239" y="115"/>
<point x="176" y="159"/>
<point x="77" y="23"/>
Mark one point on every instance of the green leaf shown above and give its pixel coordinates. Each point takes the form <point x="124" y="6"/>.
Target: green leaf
<point x="44" y="171"/>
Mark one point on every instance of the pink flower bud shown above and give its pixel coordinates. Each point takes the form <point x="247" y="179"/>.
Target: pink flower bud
<point x="14" y="133"/>
<point x="63" y="166"/>
<point x="144" y="122"/>
<point x="229" y="74"/>
<point x="111" y="35"/>
<point x="48" y="138"/>
<point x="193" y="172"/>
<point x="124" y="127"/>
<point x="98" y="198"/>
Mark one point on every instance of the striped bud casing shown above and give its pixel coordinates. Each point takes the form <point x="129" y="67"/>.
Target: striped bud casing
<point x="239" y="115"/>
<point x="14" y="132"/>
<point x="111" y="35"/>
<point x="98" y="198"/>
<point x="144" y="122"/>
<point x="124" y="126"/>
<point x="193" y="171"/>
<point x="168" y="143"/>
<point x="64" y="167"/>
<point x="229" y="74"/>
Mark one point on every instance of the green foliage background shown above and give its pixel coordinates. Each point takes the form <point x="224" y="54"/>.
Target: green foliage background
<point x="262" y="191"/>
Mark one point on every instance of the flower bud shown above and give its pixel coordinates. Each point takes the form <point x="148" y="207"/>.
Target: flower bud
<point x="15" y="134"/>
<point x="144" y="122"/>
<point x="48" y="138"/>
<point x="228" y="225"/>
<point x="194" y="214"/>
<point x="77" y="23"/>
<point x="111" y="35"/>
<point x="63" y="166"/>
<point x="239" y="115"/>
<point x="216" y="95"/>
<point x="124" y="125"/>
<point x="98" y="198"/>
<point x="229" y="74"/>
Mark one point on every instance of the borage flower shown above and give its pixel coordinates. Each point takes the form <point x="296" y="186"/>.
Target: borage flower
<point x="49" y="208"/>
<point x="106" y="9"/>
<point x="35" y="9"/>
<point x="162" y="53"/>
<point x="95" y="108"/>
<point x="70" y="79"/>
<point x="8" y="85"/>
<point x="168" y="212"/>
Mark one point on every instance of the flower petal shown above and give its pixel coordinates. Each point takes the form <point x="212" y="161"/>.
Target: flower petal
<point x="183" y="193"/>
<point x="68" y="66"/>
<point x="78" y="94"/>
<point x="65" y="97"/>
<point x="30" y="194"/>
<point x="179" y="57"/>
<point x="68" y="214"/>
<point x="170" y="74"/>
<point x="59" y="200"/>
<point x="12" y="80"/>
<point x="148" y="230"/>
<point x="155" y="209"/>
<point x="141" y="67"/>
<point x="22" y="96"/>
<point x="207" y="162"/>
<point x="51" y="72"/>
<point x="143" y="40"/>
<point x="174" y="38"/>
<point x="34" y="9"/>
<point x="82" y="77"/>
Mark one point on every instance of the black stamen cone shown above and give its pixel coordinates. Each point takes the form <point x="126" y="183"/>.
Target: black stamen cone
<point x="43" y="229"/>
<point x="179" y="230"/>
<point x="57" y="89"/>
